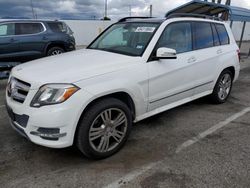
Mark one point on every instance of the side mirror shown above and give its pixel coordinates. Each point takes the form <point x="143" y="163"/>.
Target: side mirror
<point x="166" y="53"/>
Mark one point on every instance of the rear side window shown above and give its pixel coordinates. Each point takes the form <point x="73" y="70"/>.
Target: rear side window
<point x="216" y="36"/>
<point x="57" y="27"/>
<point x="224" y="39"/>
<point x="177" y="36"/>
<point x="203" y="35"/>
<point x="7" y="29"/>
<point x="28" y="28"/>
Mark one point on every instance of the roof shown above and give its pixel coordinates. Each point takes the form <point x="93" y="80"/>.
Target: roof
<point x="161" y="20"/>
<point x="142" y="19"/>
<point x="149" y="20"/>
<point x="213" y="9"/>
<point x="26" y="20"/>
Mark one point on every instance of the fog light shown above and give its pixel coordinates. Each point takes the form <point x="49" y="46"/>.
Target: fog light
<point x="48" y="133"/>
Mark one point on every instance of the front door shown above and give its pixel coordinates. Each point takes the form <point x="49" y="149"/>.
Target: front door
<point x="170" y="80"/>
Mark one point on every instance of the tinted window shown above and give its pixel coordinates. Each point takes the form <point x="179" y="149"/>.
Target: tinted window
<point x="58" y="27"/>
<point x="28" y="28"/>
<point x="177" y="36"/>
<point x="224" y="39"/>
<point x="203" y="36"/>
<point x="7" y="29"/>
<point x="216" y="37"/>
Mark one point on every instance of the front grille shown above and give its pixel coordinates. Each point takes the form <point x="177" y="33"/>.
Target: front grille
<point x="18" y="89"/>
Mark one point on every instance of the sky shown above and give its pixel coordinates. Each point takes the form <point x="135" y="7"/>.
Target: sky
<point x="91" y="9"/>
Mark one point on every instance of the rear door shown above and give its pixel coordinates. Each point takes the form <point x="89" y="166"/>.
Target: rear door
<point x="206" y="50"/>
<point x="225" y="51"/>
<point x="31" y="38"/>
<point x="8" y="42"/>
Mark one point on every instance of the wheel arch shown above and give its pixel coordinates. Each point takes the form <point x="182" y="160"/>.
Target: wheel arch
<point x="232" y="70"/>
<point x="120" y="95"/>
<point x="54" y="44"/>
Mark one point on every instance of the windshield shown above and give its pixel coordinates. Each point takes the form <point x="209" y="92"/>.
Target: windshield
<point x="126" y="38"/>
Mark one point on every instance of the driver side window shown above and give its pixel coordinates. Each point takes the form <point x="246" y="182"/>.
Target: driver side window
<point x="177" y="36"/>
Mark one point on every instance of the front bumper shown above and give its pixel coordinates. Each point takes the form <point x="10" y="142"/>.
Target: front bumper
<point x="51" y="126"/>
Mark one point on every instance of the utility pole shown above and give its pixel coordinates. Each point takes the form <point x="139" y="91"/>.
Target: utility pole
<point x="106" y="9"/>
<point x="151" y="10"/>
<point x="130" y="10"/>
<point x="32" y="9"/>
<point x="228" y="2"/>
<point x="219" y="1"/>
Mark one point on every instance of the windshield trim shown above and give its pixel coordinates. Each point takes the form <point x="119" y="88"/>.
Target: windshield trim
<point x="158" y="24"/>
<point x="114" y="51"/>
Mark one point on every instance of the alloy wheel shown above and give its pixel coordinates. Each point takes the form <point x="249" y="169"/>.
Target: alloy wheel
<point x="225" y="85"/>
<point x="108" y="130"/>
<point x="56" y="52"/>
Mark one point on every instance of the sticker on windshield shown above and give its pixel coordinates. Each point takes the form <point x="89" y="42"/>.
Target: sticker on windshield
<point x="145" y="29"/>
<point x="139" y="46"/>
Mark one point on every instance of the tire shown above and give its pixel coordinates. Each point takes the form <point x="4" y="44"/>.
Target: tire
<point x="222" y="88"/>
<point x="55" y="51"/>
<point x="97" y="136"/>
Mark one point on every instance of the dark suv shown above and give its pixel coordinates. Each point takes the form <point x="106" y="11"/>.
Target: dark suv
<point x="25" y="40"/>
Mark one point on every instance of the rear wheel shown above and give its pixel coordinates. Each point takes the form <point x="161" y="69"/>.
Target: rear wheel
<point x="55" y="51"/>
<point x="223" y="87"/>
<point x="104" y="128"/>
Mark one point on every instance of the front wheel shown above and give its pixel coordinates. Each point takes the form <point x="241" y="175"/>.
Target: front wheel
<point x="104" y="128"/>
<point x="223" y="87"/>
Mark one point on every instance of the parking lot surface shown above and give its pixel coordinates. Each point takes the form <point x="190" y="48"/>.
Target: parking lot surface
<point x="196" y="145"/>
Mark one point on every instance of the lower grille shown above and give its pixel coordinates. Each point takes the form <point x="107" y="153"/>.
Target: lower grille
<point x="19" y="130"/>
<point x="18" y="89"/>
<point x="22" y="120"/>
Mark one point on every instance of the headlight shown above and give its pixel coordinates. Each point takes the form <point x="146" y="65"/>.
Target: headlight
<point x="53" y="94"/>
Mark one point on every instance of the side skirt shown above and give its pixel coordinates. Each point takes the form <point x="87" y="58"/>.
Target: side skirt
<point x="172" y="105"/>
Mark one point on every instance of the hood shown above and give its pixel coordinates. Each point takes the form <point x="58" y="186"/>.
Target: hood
<point x="71" y="67"/>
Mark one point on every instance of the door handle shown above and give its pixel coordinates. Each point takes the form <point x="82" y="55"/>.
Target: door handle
<point x="13" y="40"/>
<point x="219" y="51"/>
<point x="192" y="60"/>
<point x="45" y="38"/>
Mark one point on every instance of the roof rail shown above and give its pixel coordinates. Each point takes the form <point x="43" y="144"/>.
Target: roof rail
<point x="176" y="15"/>
<point x="133" y="17"/>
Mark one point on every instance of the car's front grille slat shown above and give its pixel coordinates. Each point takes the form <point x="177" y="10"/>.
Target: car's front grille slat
<point x="18" y="89"/>
<point x="22" y="86"/>
<point x="19" y="97"/>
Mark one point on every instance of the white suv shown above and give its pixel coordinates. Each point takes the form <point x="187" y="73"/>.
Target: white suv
<point x="135" y="69"/>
